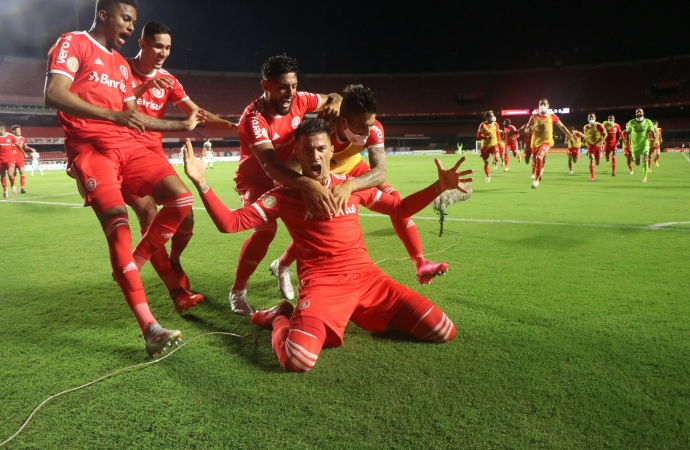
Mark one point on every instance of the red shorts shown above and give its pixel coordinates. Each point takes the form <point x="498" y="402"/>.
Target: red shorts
<point x="627" y="152"/>
<point x="574" y="152"/>
<point x="608" y="149"/>
<point x="488" y="151"/>
<point x="130" y="197"/>
<point x="594" y="150"/>
<point x="655" y="149"/>
<point x="545" y="147"/>
<point x="370" y="300"/>
<point x="134" y="170"/>
<point x="512" y="148"/>
<point x="6" y="167"/>
<point x="19" y="160"/>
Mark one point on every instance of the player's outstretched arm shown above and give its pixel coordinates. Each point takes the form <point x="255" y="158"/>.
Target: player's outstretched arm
<point x="149" y="123"/>
<point x="331" y="106"/>
<point x="212" y="121"/>
<point x="565" y="130"/>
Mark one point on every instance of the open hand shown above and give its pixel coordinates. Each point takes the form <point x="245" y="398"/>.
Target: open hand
<point x="195" y="170"/>
<point x="450" y="179"/>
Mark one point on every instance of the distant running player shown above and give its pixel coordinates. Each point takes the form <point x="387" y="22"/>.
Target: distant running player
<point x="595" y="134"/>
<point x="655" y="146"/>
<point x="20" y="155"/>
<point x="614" y="134"/>
<point x="511" y="143"/>
<point x="626" y="150"/>
<point x="574" y="146"/>
<point x="209" y="153"/>
<point x="640" y="132"/>
<point x="35" y="165"/>
<point x="338" y="281"/>
<point x="488" y="132"/>
<point x="7" y="164"/>
<point x="541" y="126"/>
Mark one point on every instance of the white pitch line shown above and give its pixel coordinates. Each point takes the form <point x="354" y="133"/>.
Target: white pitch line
<point x="54" y="195"/>
<point x="686" y="156"/>
<point x="40" y="203"/>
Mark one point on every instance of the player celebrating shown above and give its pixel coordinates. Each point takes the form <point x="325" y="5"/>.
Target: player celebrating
<point x="511" y="142"/>
<point x="488" y="132"/>
<point x="89" y="83"/>
<point x="338" y="280"/>
<point x="574" y="146"/>
<point x="154" y="87"/>
<point x="34" y="162"/>
<point x="640" y="131"/>
<point x="613" y="135"/>
<point x="266" y="141"/>
<point x="209" y="153"/>
<point x="7" y="164"/>
<point x="595" y="134"/>
<point x="355" y="129"/>
<point x="20" y="155"/>
<point x="655" y="146"/>
<point x="541" y="127"/>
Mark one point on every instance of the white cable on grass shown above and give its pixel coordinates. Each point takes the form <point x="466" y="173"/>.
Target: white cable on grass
<point x="457" y="242"/>
<point x="112" y="375"/>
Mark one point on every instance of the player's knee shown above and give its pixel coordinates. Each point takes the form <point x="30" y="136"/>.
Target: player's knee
<point x="116" y="211"/>
<point x="189" y="219"/>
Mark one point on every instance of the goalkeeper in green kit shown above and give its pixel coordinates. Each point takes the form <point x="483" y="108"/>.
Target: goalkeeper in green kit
<point x="639" y="130"/>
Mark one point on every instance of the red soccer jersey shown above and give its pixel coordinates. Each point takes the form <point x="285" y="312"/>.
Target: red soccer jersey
<point x="154" y="101"/>
<point x="21" y="142"/>
<point x="258" y="126"/>
<point x="99" y="77"/>
<point x="512" y="136"/>
<point x="613" y="134"/>
<point x="324" y="246"/>
<point x="7" y="148"/>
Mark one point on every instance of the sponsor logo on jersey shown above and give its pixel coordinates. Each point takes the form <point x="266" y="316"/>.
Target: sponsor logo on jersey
<point x="62" y="55"/>
<point x="256" y="128"/>
<point x="378" y="131"/>
<point x="276" y="136"/>
<point x="158" y="93"/>
<point x="73" y="64"/>
<point x="129" y="267"/>
<point x="99" y="62"/>
<point x="103" y="79"/>
<point x="124" y="71"/>
<point x="269" y="201"/>
<point x="295" y="122"/>
<point x="91" y="184"/>
<point x="304" y="305"/>
<point x="150" y="105"/>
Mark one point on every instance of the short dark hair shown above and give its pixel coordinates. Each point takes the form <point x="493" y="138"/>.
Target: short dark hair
<point x="357" y="99"/>
<point x="2" y="124"/>
<point x="591" y="114"/>
<point x="105" y="5"/>
<point x="544" y="100"/>
<point x="14" y="127"/>
<point x="153" y="28"/>
<point x="486" y="113"/>
<point x="277" y="66"/>
<point x="655" y="121"/>
<point x="309" y="127"/>
<point x="507" y="121"/>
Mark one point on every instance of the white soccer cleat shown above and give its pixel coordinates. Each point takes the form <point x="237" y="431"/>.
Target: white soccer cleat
<point x="631" y="172"/>
<point x="532" y="176"/>
<point x="488" y="179"/>
<point x="535" y="184"/>
<point x="644" y="180"/>
<point x="14" y="190"/>
<point x="239" y="304"/>
<point x="282" y="273"/>
<point x="571" y="172"/>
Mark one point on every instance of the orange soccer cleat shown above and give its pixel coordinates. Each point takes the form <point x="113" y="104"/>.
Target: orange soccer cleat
<point x="184" y="300"/>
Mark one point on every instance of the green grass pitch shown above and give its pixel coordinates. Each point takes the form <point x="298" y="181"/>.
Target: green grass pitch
<point x="571" y="303"/>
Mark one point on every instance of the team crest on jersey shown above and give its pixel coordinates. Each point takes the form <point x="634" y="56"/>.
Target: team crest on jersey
<point x="295" y="122"/>
<point x="90" y="184"/>
<point x="73" y="64"/>
<point x="269" y="201"/>
<point x="158" y="93"/>
<point x="124" y="71"/>
<point x="304" y="305"/>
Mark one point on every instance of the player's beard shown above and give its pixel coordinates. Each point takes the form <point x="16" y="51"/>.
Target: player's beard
<point x="279" y="108"/>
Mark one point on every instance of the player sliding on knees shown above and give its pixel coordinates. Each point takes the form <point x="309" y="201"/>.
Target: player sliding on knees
<point x="338" y="280"/>
<point x="541" y="126"/>
<point x="355" y="129"/>
<point x="489" y="134"/>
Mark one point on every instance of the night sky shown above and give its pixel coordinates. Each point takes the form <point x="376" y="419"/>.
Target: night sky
<point x="374" y="37"/>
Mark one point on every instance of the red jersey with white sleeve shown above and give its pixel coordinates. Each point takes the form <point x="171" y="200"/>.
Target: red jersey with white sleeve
<point x="613" y="134"/>
<point x="19" y="154"/>
<point x="100" y="77"/>
<point x="346" y="154"/>
<point x="154" y="102"/>
<point x="258" y="126"/>
<point x="7" y="148"/>
<point x="324" y="246"/>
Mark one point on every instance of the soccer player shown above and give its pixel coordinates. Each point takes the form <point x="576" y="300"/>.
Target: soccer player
<point x="541" y="127"/>
<point x="613" y="135"/>
<point x="180" y="156"/>
<point x="89" y="83"/>
<point x="209" y="153"/>
<point x="338" y="280"/>
<point x="34" y="162"/>
<point x="355" y="129"/>
<point x="266" y="141"/>
<point x="655" y="146"/>
<point x="7" y="164"/>
<point x="595" y="134"/>
<point x="488" y="132"/>
<point x="574" y="146"/>
<point x="626" y="150"/>
<point x="527" y="144"/>
<point x="20" y="155"/>
<point x="154" y="87"/>
<point x="640" y="131"/>
<point x="511" y="138"/>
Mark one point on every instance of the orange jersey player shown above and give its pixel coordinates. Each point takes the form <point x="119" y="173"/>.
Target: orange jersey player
<point x="489" y="133"/>
<point x="511" y="135"/>
<point x="655" y="146"/>
<point x="595" y="134"/>
<point x="338" y="281"/>
<point x="574" y="146"/>
<point x="541" y="125"/>
<point x="614" y="134"/>
<point x="626" y="151"/>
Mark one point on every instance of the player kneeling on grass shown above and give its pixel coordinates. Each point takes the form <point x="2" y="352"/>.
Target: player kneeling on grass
<point x="338" y="280"/>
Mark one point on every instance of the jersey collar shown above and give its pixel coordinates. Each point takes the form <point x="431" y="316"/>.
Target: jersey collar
<point x="96" y="42"/>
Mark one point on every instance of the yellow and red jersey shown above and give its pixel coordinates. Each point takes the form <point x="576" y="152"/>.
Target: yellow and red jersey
<point x="576" y="142"/>
<point x="488" y="133"/>
<point x="613" y="133"/>
<point x="655" y="141"/>
<point x="346" y="155"/>
<point x="594" y="133"/>
<point x="542" y="129"/>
